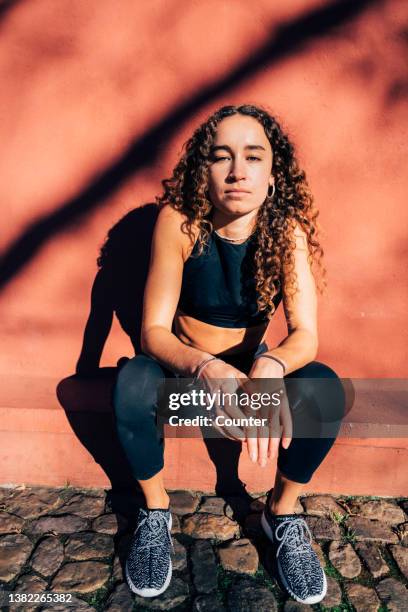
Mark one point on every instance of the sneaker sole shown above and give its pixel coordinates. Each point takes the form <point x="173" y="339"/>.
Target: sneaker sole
<point x="151" y="592"/>
<point x="310" y="600"/>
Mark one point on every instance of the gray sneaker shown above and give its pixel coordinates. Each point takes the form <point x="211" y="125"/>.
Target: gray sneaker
<point x="298" y="566"/>
<point x="148" y="565"/>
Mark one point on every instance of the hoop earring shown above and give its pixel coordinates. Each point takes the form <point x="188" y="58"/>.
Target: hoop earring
<point x="270" y="195"/>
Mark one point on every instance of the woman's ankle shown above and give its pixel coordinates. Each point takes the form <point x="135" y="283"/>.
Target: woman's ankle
<point x="161" y="501"/>
<point x="277" y="508"/>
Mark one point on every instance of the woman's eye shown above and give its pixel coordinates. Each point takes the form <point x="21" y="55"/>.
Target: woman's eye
<point x="223" y="157"/>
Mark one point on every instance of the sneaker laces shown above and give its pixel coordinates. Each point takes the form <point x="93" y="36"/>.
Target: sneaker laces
<point x="295" y="533"/>
<point x="154" y="521"/>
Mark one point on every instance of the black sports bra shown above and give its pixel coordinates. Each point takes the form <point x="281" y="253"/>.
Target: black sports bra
<point x="218" y="286"/>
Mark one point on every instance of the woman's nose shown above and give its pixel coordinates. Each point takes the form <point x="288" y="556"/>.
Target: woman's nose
<point x="237" y="171"/>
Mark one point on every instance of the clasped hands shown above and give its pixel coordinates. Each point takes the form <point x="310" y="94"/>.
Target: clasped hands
<point x="264" y="380"/>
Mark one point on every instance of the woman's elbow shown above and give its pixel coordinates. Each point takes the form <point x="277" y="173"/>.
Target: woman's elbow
<point x="146" y="340"/>
<point x="150" y="336"/>
<point x="310" y="343"/>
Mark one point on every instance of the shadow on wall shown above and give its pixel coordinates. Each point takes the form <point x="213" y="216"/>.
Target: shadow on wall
<point x="288" y="39"/>
<point x="119" y="285"/>
<point x="117" y="289"/>
<point x="87" y="405"/>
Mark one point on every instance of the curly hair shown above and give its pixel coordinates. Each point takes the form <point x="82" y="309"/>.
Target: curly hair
<point x="186" y="191"/>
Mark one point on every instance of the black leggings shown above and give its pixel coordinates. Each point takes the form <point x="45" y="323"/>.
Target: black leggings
<point x="316" y="399"/>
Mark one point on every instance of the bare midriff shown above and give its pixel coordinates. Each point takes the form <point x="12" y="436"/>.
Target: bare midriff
<point x="214" y="339"/>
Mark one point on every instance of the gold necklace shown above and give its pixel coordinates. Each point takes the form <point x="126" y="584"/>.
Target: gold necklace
<point x="233" y="239"/>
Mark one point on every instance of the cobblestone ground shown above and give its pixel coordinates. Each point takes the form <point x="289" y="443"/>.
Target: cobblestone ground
<point x="75" y="541"/>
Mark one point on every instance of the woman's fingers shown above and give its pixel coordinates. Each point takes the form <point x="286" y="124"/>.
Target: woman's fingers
<point x="273" y="447"/>
<point x="229" y="391"/>
<point x="262" y="441"/>
<point x="225" y="433"/>
<point x="263" y="446"/>
<point x="264" y="415"/>
<point x="286" y="420"/>
<point x="228" y="409"/>
<point x="287" y="425"/>
<point x="252" y="445"/>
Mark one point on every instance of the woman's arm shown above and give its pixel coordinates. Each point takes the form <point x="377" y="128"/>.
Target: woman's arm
<point x="301" y="344"/>
<point x="296" y="350"/>
<point x="162" y="292"/>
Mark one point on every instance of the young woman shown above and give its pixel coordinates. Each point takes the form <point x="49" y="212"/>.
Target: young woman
<point x="235" y="235"/>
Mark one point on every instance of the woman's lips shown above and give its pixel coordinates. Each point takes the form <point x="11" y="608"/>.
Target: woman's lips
<point x="236" y="192"/>
<point x="236" y="195"/>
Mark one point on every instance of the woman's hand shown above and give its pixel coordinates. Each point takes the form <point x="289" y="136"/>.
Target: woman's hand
<point x="220" y="377"/>
<point x="263" y="442"/>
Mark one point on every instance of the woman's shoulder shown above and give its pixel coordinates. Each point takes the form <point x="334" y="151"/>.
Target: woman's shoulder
<point x="174" y="225"/>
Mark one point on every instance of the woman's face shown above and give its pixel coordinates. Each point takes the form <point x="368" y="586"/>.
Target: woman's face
<point x="240" y="167"/>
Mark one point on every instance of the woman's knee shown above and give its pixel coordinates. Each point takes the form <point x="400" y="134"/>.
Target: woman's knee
<point x="136" y="387"/>
<point x="320" y="385"/>
<point x="315" y="369"/>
